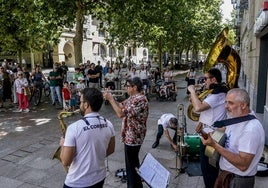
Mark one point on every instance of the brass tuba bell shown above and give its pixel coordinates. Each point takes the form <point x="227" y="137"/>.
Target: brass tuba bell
<point x="221" y="52"/>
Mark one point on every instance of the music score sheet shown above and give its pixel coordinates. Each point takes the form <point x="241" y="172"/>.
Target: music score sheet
<point x="153" y="173"/>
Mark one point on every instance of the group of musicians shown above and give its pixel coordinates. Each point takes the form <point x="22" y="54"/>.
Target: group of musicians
<point x="88" y="141"/>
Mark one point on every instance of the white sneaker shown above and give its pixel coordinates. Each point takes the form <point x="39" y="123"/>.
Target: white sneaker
<point x="19" y="110"/>
<point x="27" y="110"/>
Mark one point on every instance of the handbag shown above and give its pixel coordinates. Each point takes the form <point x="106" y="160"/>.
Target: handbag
<point x="26" y="91"/>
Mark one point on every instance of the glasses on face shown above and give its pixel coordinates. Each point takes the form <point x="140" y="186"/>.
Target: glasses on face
<point x="206" y="78"/>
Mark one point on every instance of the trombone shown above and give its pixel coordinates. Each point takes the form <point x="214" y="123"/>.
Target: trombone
<point x="181" y="131"/>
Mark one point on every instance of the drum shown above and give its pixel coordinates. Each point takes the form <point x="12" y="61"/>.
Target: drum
<point x="192" y="142"/>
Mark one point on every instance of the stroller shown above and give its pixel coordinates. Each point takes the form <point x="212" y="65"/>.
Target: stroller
<point x="164" y="91"/>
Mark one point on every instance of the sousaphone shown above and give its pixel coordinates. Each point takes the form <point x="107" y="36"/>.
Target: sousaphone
<point x="221" y="52"/>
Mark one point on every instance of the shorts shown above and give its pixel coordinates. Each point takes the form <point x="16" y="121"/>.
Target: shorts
<point x="73" y="102"/>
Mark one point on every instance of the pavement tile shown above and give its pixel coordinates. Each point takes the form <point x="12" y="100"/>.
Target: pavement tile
<point x="20" y="153"/>
<point x="11" y="158"/>
<point x="41" y="163"/>
<point x="30" y="148"/>
<point x="26" y="159"/>
<point x="12" y="170"/>
<point x="27" y="185"/>
<point x="46" y="141"/>
<point x="9" y="183"/>
<point x="33" y="176"/>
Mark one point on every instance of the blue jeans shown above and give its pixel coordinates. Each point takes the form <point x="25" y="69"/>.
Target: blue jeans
<point x="55" y="89"/>
<point x="210" y="173"/>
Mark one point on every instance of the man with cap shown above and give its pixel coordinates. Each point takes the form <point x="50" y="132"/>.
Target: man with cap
<point x="54" y="83"/>
<point x="167" y="121"/>
<point x="80" y="86"/>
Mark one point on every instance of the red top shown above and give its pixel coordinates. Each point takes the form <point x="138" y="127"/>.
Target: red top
<point x="66" y="94"/>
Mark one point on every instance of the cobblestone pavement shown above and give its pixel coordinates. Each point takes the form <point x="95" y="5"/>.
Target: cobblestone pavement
<point x="29" y="140"/>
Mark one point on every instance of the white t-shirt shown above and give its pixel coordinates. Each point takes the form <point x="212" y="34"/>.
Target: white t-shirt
<point x="246" y="137"/>
<point x="117" y="73"/>
<point x="80" y="87"/>
<point x="143" y="74"/>
<point x="192" y="75"/>
<point x="216" y="111"/>
<point x="133" y="75"/>
<point x="168" y="76"/>
<point x="109" y="76"/>
<point x="91" y="142"/>
<point x="164" y="120"/>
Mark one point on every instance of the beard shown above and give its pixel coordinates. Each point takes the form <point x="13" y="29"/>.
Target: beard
<point x="229" y="116"/>
<point x="82" y="111"/>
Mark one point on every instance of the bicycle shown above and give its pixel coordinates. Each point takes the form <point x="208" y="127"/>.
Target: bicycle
<point x="36" y="94"/>
<point x="46" y="89"/>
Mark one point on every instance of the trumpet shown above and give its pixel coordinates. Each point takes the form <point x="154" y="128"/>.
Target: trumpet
<point x="116" y="93"/>
<point x="63" y="130"/>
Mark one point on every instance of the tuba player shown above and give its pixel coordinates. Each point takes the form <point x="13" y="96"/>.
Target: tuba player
<point x="211" y="109"/>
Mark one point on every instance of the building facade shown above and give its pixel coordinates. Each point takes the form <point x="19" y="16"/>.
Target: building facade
<point x="95" y="48"/>
<point x="251" y="24"/>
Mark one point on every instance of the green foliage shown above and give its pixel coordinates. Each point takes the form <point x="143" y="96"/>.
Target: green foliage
<point x="168" y="25"/>
<point x="26" y="25"/>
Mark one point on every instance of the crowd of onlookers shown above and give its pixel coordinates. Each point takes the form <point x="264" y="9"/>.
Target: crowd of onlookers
<point x="10" y="77"/>
<point x="65" y="92"/>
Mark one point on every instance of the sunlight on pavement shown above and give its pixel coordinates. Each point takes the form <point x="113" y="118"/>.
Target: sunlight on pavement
<point x="41" y="121"/>
<point x="2" y="134"/>
<point x="19" y="129"/>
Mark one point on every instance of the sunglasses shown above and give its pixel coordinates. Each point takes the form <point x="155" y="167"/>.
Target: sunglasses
<point x="206" y="78"/>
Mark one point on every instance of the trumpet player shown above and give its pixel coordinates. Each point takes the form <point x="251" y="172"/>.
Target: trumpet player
<point x="211" y="109"/>
<point x="87" y="142"/>
<point x="134" y="113"/>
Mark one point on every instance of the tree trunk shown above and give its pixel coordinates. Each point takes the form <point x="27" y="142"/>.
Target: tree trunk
<point x="32" y="59"/>
<point x="159" y="47"/>
<point x="20" y="57"/>
<point x="172" y="57"/>
<point x="78" y="38"/>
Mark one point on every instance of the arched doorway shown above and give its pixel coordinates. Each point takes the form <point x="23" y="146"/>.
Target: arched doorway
<point x="68" y="50"/>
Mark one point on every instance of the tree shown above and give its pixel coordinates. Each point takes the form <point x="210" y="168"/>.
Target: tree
<point x="164" y="25"/>
<point x="33" y="24"/>
<point x="26" y="26"/>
